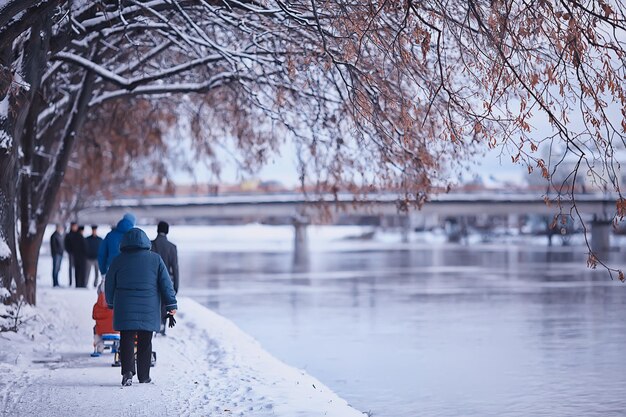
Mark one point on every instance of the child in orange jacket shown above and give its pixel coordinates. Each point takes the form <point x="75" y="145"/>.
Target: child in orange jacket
<point x="104" y="320"/>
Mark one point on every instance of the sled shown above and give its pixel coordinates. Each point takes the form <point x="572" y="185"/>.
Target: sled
<point x="111" y="342"/>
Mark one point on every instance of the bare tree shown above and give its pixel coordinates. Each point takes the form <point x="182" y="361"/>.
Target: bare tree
<point x="376" y="93"/>
<point x="490" y="70"/>
<point x="85" y="55"/>
<point x="122" y="146"/>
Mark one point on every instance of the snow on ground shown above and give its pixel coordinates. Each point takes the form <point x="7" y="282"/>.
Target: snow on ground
<point x="206" y="366"/>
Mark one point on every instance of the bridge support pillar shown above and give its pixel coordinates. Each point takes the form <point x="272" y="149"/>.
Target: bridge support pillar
<point x="383" y="223"/>
<point x="601" y="235"/>
<point x="513" y="222"/>
<point x="405" y="224"/>
<point x="300" y="243"/>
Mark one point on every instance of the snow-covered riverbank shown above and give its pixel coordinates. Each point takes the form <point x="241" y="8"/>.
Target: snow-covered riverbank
<point x="206" y="367"/>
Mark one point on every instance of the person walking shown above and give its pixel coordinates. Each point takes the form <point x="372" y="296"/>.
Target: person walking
<point x="79" y="253"/>
<point x="69" y="250"/>
<point x="93" y="243"/>
<point x="56" y="251"/>
<point x="110" y="246"/>
<point x="169" y="254"/>
<point x="136" y="282"/>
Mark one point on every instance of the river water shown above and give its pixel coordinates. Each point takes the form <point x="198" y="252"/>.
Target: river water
<point x="429" y="329"/>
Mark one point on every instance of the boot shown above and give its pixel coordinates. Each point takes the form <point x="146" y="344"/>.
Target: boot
<point x="127" y="379"/>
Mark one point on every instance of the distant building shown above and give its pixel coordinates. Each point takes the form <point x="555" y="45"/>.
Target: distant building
<point x="272" y="186"/>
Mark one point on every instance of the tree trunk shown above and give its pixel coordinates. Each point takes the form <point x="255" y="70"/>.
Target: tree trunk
<point x="10" y="275"/>
<point x="29" y="249"/>
<point x="36" y="199"/>
<point x="39" y="198"/>
<point x="31" y="231"/>
<point x="9" y="267"/>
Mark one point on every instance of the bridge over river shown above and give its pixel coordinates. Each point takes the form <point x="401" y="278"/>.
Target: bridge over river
<point x="598" y="209"/>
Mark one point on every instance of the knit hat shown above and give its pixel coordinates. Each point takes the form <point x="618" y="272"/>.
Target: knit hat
<point x="163" y="227"/>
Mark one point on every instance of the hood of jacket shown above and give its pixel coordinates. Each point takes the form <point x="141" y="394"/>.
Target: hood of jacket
<point x="135" y="239"/>
<point x="124" y="225"/>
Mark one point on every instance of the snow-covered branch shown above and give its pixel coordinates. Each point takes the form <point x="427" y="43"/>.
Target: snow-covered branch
<point x="132" y="83"/>
<point x="164" y="89"/>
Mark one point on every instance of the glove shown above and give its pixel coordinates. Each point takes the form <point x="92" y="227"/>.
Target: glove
<point x="171" y="320"/>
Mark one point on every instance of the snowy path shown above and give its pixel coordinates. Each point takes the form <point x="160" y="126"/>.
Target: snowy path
<point x="206" y="367"/>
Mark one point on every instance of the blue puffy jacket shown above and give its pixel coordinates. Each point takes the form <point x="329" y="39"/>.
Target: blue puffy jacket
<point x="110" y="246"/>
<point x="136" y="284"/>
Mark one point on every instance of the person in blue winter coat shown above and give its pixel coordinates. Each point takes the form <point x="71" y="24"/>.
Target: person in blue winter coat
<point x="110" y="246"/>
<point x="136" y="283"/>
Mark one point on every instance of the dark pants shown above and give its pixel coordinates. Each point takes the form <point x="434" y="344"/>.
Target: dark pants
<point x="80" y="270"/>
<point x="70" y="259"/>
<point x="92" y="264"/>
<point x="56" y="266"/>
<point x="144" y="352"/>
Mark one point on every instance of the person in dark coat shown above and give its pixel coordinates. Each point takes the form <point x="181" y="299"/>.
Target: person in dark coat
<point x="56" y="251"/>
<point x="68" y="248"/>
<point x="136" y="284"/>
<point x="169" y="254"/>
<point x="110" y="246"/>
<point x="93" y="246"/>
<point x="79" y="253"/>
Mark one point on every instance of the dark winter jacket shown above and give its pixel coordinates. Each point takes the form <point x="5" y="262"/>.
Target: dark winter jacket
<point x="56" y="244"/>
<point x="66" y="242"/>
<point x="110" y="246"/>
<point x="168" y="252"/>
<point x="75" y="244"/>
<point x="136" y="284"/>
<point x="93" y="246"/>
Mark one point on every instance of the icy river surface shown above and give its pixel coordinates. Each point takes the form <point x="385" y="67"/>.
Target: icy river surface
<point x="426" y="328"/>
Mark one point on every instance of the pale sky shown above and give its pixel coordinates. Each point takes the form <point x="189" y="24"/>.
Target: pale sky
<point x="283" y="168"/>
